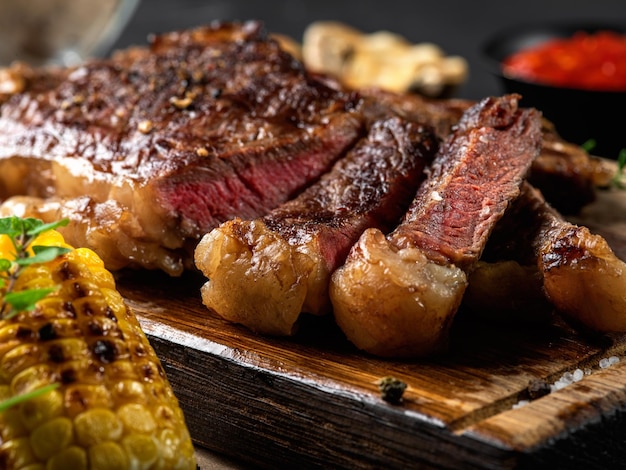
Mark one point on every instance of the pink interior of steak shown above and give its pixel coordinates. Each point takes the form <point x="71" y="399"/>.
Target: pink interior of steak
<point x="372" y="186"/>
<point x="477" y="173"/>
<point x="239" y="185"/>
<point x="213" y="122"/>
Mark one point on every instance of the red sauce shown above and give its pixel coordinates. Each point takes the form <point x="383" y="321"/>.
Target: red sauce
<point x="589" y="61"/>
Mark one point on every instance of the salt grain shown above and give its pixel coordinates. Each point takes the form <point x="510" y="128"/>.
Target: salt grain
<point x="520" y="403"/>
<point x="567" y="378"/>
<point x="608" y="362"/>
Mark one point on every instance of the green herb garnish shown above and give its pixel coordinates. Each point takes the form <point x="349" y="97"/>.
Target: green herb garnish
<point x="9" y="402"/>
<point x="618" y="178"/>
<point x="22" y="232"/>
<point x="589" y="145"/>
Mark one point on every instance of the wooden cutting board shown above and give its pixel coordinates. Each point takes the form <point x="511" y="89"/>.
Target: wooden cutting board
<point x="313" y="400"/>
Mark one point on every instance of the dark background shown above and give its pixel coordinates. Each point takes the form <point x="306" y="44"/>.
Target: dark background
<point x="458" y="27"/>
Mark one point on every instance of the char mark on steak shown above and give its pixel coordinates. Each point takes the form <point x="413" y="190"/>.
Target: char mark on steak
<point x="202" y="126"/>
<point x="263" y="273"/>
<point x="397" y="295"/>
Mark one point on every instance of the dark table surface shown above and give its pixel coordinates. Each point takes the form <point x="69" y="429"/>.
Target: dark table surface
<point x="458" y="27"/>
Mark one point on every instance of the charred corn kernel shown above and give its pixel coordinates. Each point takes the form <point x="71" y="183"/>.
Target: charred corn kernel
<point x="113" y="407"/>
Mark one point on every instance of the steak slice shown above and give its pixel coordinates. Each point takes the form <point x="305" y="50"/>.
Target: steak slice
<point x="581" y="275"/>
<point x="202" y="126"/>
<point x="397" y="295"/>
<point x="564" y="172"/>
<point x="263" y="273"/>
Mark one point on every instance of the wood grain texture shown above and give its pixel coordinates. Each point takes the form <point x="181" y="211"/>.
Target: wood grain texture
<point x="312" y="400"/>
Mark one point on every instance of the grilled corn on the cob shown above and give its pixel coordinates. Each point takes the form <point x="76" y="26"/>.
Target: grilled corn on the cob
<point x="113" y="407"/>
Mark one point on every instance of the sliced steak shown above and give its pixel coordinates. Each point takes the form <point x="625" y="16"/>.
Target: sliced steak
<point x="472" y="182"/>
<point x="263" y="273"/>
<point x="397" y="295"/>
<point x="202" y="126"/>
<point x="565" y="173"/>
<point x="581" y="275"/>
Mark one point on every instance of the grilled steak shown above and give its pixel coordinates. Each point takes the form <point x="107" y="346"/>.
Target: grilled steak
<point x="565" y="173"/>
<point x="151" y="149"/>
<point x="263" y="273"/>
<point x="472" y="183"/>
<point x="581" y="276"/>
<point x="397" y="295"/>
<point x="203" y="126"/>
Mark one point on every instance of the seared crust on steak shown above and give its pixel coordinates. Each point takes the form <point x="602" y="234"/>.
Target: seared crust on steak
<point x="471" y="186"/>
<point x="151" y="149"/>
<point x="566" y="174"/>
<point x="263" y="273"/>
<point x="397" y="295"/>
<point x="581" y="275"/>
<point x="202" y="126"/>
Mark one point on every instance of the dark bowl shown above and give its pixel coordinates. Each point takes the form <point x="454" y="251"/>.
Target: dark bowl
<point x="578" y="115"/>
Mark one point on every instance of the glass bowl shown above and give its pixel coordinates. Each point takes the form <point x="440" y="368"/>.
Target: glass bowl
<point x="62" y="32"/>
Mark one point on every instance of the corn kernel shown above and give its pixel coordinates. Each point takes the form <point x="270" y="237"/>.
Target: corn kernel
<point x="40" y="409"/>
<point x="82" y="397"/>
<point x="53" y="307"/>
<point x="38" y="275"/>
<point x="73" y="457"/>
<point x="142" y="450"/>
<point x="11" y="425"/>
<point x="96" y="426"/>
<point x="31" y="379"/>
<point x="116" y="303"/>
<point x="85" y="256"/>
<point x="136" y="419"/>
<point x="6" y="247"/>
<point x="13" y="335"/>
<point x="114" y="407"/>
<point x="52" y="437"/>
<point x="126" y="390"/>
<point x="107" y="456"/>
<point x="51" y="237"/>
<point x="34" y="466"/>
<point x="169" y="443"/>
<point x="16" y="453"/>
<point x="18" y="359"/>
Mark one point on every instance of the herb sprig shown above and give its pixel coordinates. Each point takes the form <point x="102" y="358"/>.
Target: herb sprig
<point x="22" y="232"/>
<point x="618" y="180"/>
<point x="17" y="399"/>
<point x="619" y="177"/>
